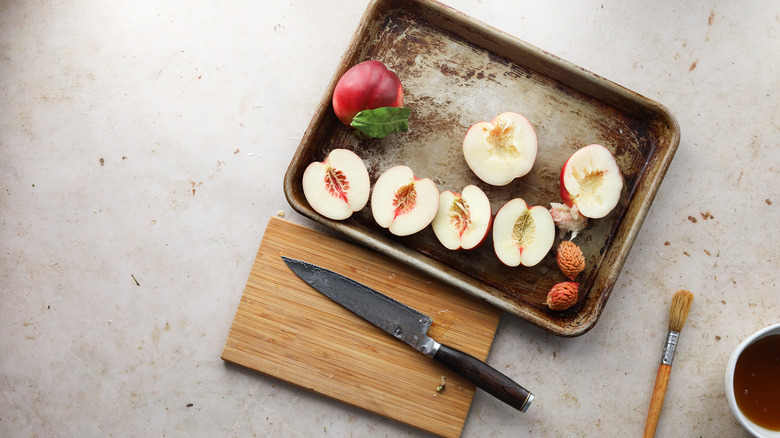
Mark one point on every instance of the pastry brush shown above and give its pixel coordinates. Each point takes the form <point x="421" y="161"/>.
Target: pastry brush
<point x="681" y="304"/>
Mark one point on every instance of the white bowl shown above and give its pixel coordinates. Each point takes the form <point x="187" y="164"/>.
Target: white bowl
<point x="753" y="428"/>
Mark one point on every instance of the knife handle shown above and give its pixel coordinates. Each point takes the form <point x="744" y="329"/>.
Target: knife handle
<point x="485" y="377"/>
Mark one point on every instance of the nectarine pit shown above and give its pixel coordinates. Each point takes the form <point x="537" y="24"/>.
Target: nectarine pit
<point x="590" y="182"/>
<point x="500" y="138"/>
<point x="523" y="231"/>
<point x="337" y="183"/>
<point x="459" y="215"/>
<point x="405" y="199"/>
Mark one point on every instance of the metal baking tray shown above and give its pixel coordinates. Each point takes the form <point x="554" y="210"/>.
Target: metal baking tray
<point x="457" y="71"/>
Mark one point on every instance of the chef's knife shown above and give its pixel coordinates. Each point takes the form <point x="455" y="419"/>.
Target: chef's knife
<point x="410" y="326"/>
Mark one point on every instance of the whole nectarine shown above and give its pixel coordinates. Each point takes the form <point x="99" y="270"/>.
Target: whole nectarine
<point x="366" y="86"/>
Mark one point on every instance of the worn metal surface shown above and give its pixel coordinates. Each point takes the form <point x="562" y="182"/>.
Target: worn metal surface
<point x="457" y="71"/>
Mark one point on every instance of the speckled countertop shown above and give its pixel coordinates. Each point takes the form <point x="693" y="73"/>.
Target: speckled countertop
<point x="142" y="150"/>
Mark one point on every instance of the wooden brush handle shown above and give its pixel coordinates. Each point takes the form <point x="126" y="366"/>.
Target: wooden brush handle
<point x="657" y="399"/>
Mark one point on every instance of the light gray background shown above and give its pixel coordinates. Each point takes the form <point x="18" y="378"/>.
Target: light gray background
<point x="149" y="139"/>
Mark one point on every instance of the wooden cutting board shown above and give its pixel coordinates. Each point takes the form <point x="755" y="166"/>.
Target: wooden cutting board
<point x="286" y="329"/>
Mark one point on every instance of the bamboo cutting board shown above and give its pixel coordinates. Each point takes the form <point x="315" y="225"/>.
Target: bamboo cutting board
<point x="286" y="329"/>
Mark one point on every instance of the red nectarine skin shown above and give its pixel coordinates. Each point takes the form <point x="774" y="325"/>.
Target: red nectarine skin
<point x="368" y="85"/>
<point x="565" y="196"/>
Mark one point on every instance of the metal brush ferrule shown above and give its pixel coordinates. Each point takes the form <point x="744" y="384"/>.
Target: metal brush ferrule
<point x="671" y="346"/>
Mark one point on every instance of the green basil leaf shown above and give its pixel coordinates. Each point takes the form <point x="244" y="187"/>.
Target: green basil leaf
<point x="380" y="122"/>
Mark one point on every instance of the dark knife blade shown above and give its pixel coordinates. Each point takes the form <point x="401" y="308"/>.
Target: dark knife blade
<point x="410" y="326"/>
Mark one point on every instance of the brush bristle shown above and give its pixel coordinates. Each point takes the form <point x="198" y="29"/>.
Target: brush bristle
<point x="681" y="304"/>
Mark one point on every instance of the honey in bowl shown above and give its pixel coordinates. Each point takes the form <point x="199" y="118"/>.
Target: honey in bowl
<point x="757" y="382"/>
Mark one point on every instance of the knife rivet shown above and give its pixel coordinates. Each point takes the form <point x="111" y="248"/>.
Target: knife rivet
<point x="399" y="330"/>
